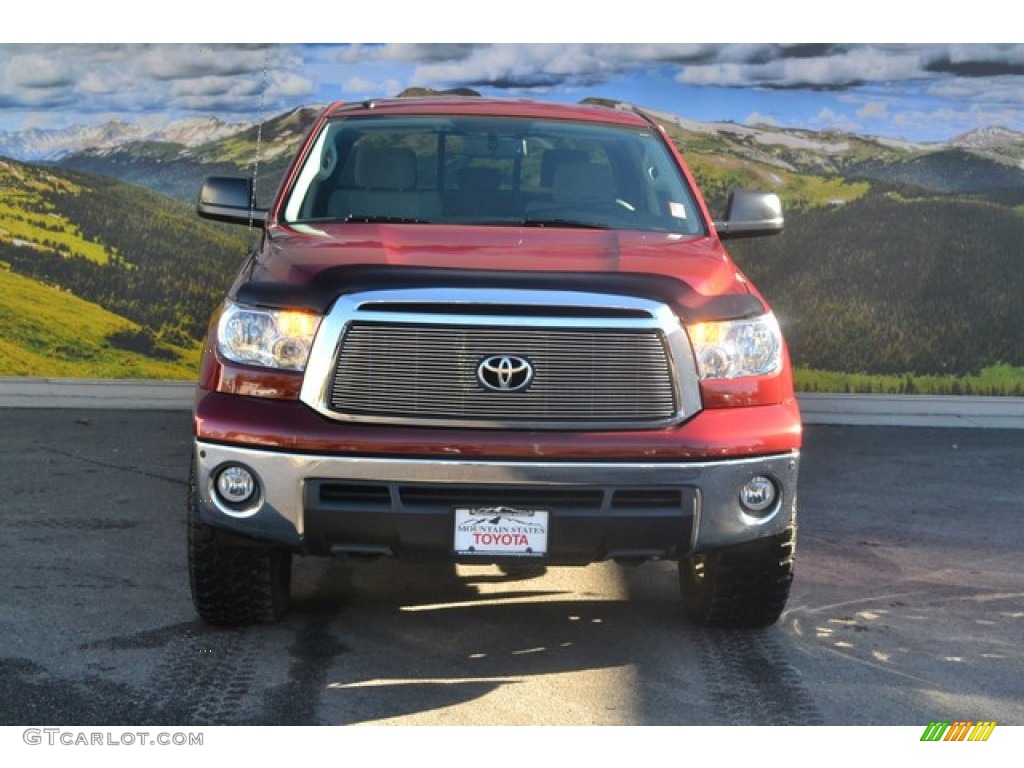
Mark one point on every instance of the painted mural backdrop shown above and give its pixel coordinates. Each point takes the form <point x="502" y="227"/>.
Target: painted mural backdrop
<point x="901" y="169"/>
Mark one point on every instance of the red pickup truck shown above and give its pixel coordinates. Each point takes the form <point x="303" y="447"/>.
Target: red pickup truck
<point x="493" y="332"/>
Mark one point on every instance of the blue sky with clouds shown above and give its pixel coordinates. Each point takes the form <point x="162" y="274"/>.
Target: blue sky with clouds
<point x="917" y="91"/>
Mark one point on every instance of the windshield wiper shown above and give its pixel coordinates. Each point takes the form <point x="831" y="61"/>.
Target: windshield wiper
<point x="383" y="220"/>
<point x="560" y="222"/>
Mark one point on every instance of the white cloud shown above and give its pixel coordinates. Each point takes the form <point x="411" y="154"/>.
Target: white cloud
<point x="34" y="71"/>
<point x="782" y="67"/>
<point x="723" y="74"/>
<point x="363" y="87"/>
<point x="538" y="64"/>
<point x="96" y="84"/>
<point x="140" y="78"/>
<point x="409" y="53"/>
<point x="826" y="119"/>
<point x="874" y="109"/>
<point x="179" y="62"/>
<point x="995" y="90"/>
<point x="881" y="83"/>
<point x="958" y="120"/>
<point x="282" y="84"/>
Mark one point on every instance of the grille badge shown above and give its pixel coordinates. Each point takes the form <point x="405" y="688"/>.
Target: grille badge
<point x="505" y="373"/>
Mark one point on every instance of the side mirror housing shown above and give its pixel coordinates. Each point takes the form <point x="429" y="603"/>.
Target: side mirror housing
<point x="750" y="214"/>
<point x="230" y="199"/>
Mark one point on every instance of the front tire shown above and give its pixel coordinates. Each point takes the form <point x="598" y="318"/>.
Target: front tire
<point x="745" y="586"/>
<point x="233" y="584"/>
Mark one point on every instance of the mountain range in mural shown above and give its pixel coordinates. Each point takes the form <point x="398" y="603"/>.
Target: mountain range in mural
<point x="900" y="268"/>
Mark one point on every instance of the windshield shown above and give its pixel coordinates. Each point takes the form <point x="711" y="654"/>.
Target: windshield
<point x="493" y="171"/>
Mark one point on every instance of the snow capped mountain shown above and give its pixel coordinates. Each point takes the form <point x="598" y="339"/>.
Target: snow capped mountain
<point x="52" y="144"/>
<point x="173" y="158"/>
<point x="826" y="143"/>
<point x="988" y="138"/>
<point x="282" y="131"/>
<point x="193" y="131"/>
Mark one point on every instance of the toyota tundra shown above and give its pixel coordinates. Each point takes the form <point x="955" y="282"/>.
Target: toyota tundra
<point x="489" y="331"/>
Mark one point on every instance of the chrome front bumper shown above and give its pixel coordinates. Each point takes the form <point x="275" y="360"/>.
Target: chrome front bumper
<point x="285" y="513"/>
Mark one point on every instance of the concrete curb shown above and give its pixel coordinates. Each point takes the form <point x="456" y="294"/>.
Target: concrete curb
<point x="116" y="394"/>
<point x="851" y="410"/>
<point x="913" y="410"/>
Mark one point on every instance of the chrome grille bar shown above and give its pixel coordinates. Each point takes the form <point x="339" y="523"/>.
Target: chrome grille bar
<point x="430" y="372"/>
<point x="630" y="369"/>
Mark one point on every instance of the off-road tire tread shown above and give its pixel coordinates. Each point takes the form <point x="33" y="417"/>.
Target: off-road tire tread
<point x="744" y="586"/>
<point x="233" y="585"/>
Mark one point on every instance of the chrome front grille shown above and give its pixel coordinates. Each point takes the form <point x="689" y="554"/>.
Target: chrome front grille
<point x="430" y="372"/>
<point x="415" y="357"/>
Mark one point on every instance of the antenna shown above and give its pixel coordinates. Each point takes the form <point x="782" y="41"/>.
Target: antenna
<point x="259" y="136"/>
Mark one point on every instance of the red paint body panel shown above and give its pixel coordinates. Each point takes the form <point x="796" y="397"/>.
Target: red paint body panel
<point x="297" y="255"/>
<point x="292" y="426"/>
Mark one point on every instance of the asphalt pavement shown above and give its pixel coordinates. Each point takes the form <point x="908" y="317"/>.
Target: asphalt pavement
<point x="908" y="604"/>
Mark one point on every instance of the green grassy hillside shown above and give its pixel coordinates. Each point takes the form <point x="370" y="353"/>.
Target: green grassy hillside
<point x="925" y="287"/>
<point x="50" y="332"/>
<point x="133" y="252"/>
<point x="26" y="216"/>
<point x="104" y="279"/>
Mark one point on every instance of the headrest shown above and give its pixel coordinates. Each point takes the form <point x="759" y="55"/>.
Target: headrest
<point x="582" y="181"/>
<point x="553" y="158"/>
<point x="385" y="168"/>
<point x="479" y="178"/>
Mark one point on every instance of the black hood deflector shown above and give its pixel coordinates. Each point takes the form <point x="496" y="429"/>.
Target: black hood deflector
<point x="319" y="294"/>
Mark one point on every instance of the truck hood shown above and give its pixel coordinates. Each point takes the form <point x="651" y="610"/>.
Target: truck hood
<point x="309" y="266"/>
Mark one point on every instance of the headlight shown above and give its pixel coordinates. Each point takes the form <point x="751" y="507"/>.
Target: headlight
<point x="271" y="338"/>
<point x="734" y="348"/>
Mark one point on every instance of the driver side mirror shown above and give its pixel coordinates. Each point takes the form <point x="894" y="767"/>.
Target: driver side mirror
<point x="750" y="214"/>
<point x="230" y="199"/>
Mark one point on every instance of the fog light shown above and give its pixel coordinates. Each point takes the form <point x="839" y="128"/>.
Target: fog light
<point x="236" y="485"/>
<point x="758" y="495"/>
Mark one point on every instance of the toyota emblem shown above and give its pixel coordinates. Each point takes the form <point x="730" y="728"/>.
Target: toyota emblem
<point x="505" y="373"/>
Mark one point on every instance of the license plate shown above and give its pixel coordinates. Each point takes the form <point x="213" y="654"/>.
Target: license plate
<point x="500" y="530"/>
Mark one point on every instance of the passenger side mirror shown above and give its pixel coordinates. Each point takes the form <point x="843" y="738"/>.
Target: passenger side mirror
<point x="750" y="214"/>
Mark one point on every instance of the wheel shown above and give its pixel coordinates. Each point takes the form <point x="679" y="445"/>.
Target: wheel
<point x="233" y="584"/>
<point x="743" y="586"/>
